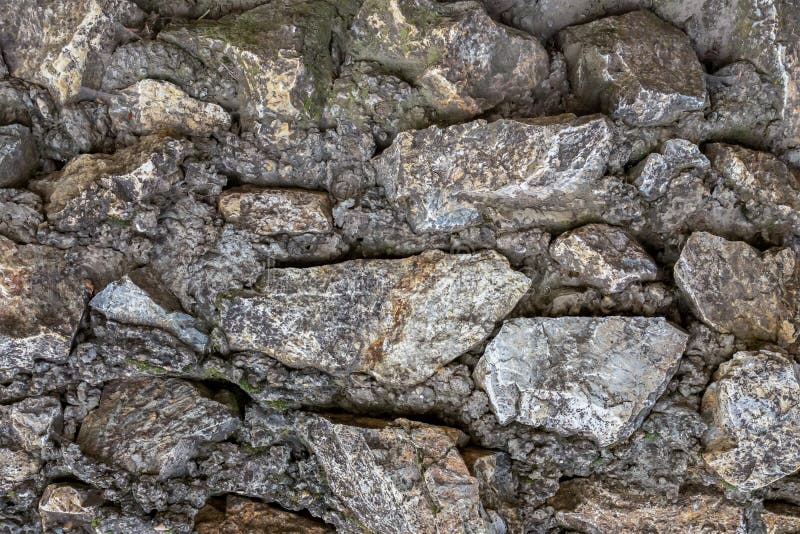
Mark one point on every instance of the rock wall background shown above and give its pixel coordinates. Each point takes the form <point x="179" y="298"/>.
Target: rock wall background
<point x="399" y="266"/>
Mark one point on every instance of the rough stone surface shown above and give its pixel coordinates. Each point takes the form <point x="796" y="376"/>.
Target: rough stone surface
<point x="170" y="419"/>
<point x="398" y="320"/>
<point x="18" y="157"/>
<point x="733" y="287"/>
<point x="596" y="377"/>
<point x="604" y="257"/>
<point x="277" y="211"/>
<point x="634" y="67"/>
<point x="450" y="178"/>
<point x="242" y="516"/>
<point x="753" y="417"/>
<point x="68" y="505"/>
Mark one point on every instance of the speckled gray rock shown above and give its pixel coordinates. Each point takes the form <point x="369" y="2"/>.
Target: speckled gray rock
<point x="398" y="477"/>
<point x="596" y="377"/>
<point x="447" y="179"/>
<point x="277" y="211"/>
<point x="634" y="67"/>
<point x="18" y="157"/>
<point x="245" y="516"/>
<point x="398" y="320"/>
<point x="143" y="304"/>
<point x="20" y="215"/>
<point x="464" y="62"/>
<point x="155" y="106"/>
<point x="63" y="45"/>
<point x="68" y="505"/>
<point x="27" y="428"/>
<point x="153" y="426"/>
<point x="41" y="303"/>
<point x="604" y="257"/>
<point x="736" y="289"/>
<point x="754" y="419"/>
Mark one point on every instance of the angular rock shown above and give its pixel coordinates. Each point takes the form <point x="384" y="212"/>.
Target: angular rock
<point x="591" y="505"/>
<point x="398" y="477"/>
<point x="446" y="179"/>
<point x="18" y="157"/>
<point x="244" y="516"/>
<point x="634" y="67"/>
<point x="604" y="257"/>
<point x="20" y="215"/>
<point x="734" y="288"/>
<point x="153" y="426"/>
<point x="146" y="304"/>
<point x="279" y="55"/>
<point x="64" y="45"/>
<point x="27" y="427"/>
<point x="398" y="320"/>
<point x="595" y="377"/>
<point x="97" y="189"/>
<point x="68" y="505"/>
<point x="155" y="106"/>
<point x="463" y="61"/>
<point x="754" y="419"/>
<point x="41" y="303"/>
<point x="277" y="211"/>
<point x="781" y="518"/>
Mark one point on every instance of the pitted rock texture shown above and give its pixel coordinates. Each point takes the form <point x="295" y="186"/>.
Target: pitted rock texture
<point x="580" y="375"/>
<point x="414" y="266"/>
<point x="398" y="320"/>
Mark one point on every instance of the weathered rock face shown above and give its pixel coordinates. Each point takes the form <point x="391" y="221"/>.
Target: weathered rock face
<point x="398" y="320"/>
<point x="153" y="426"/>
<point x="403" y="477"/>
<point x="753" y="419"/>
<point x="154" y="106"/>
<point x="244" y="516"/>
<point x="634" y="67"/>
<point x="596" y="377"/>
<point x="20" y="215"/>
<point x="27" y="426"/>
<point x="589" y="505"/>
<point x="18" y="157"/>
<point x="781" y="518"/>
<point x="63" y="45"/>
<point x="277" y="211"/>
<point x="41" y="303"/>
<point x="604" y="257"/>
<point x="67" y="504"/>
<point x="454" y="52"/>
<point x="734" y="288"/>
<point x="447" y="179"/>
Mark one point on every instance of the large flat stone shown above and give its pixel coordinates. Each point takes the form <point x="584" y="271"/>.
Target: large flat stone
<point x="398" y="320"/>
<point x="595" y="377"/>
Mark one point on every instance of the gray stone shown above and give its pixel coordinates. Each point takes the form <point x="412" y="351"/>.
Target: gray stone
<point x="68" y="505"/>
<point x="153" y="426"/>
<point x="277" y="211"/>
<point x="754" y="419"/>
<point x="18" y="157"/>
<point x="462" y="60"/>
<point x="127" y="302"/>
<point x="447" y="179"/>
<point x="20" y="215"/>
<point x="634" y="67"/>
<point x="27" y="428"/>
<point x="736" y="289"/>
<point x="398" y="477"/>
<point x="604" y="257"/>
<point x="595" y="377"/>
<point x="398" y="320"/>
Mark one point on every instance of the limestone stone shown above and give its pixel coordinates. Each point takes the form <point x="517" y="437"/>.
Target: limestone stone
<point x="592" y="505"/>
<point x="146" y="304"/>
<point x="68" y="505"/>
<point x="64" y="45"/>
<point x="398" y="320"/>
<point x="41" y="303"/>
<point x="270" y="211"/>
<point x="245" y="516"/>
<point x="464" y="62"/>
<point x="595" y="377"/>
<point x="155" y="106"/>
<point x="447" y="179"/>
<point x="398" y="477"/>
<point x="634" y="67"/>
<point x="153" y="426"/>
<point x="753" y="417"/>
<point x="736" y="289"/>
<point x="603" y="256"/>
<point x="18" y="157"/>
